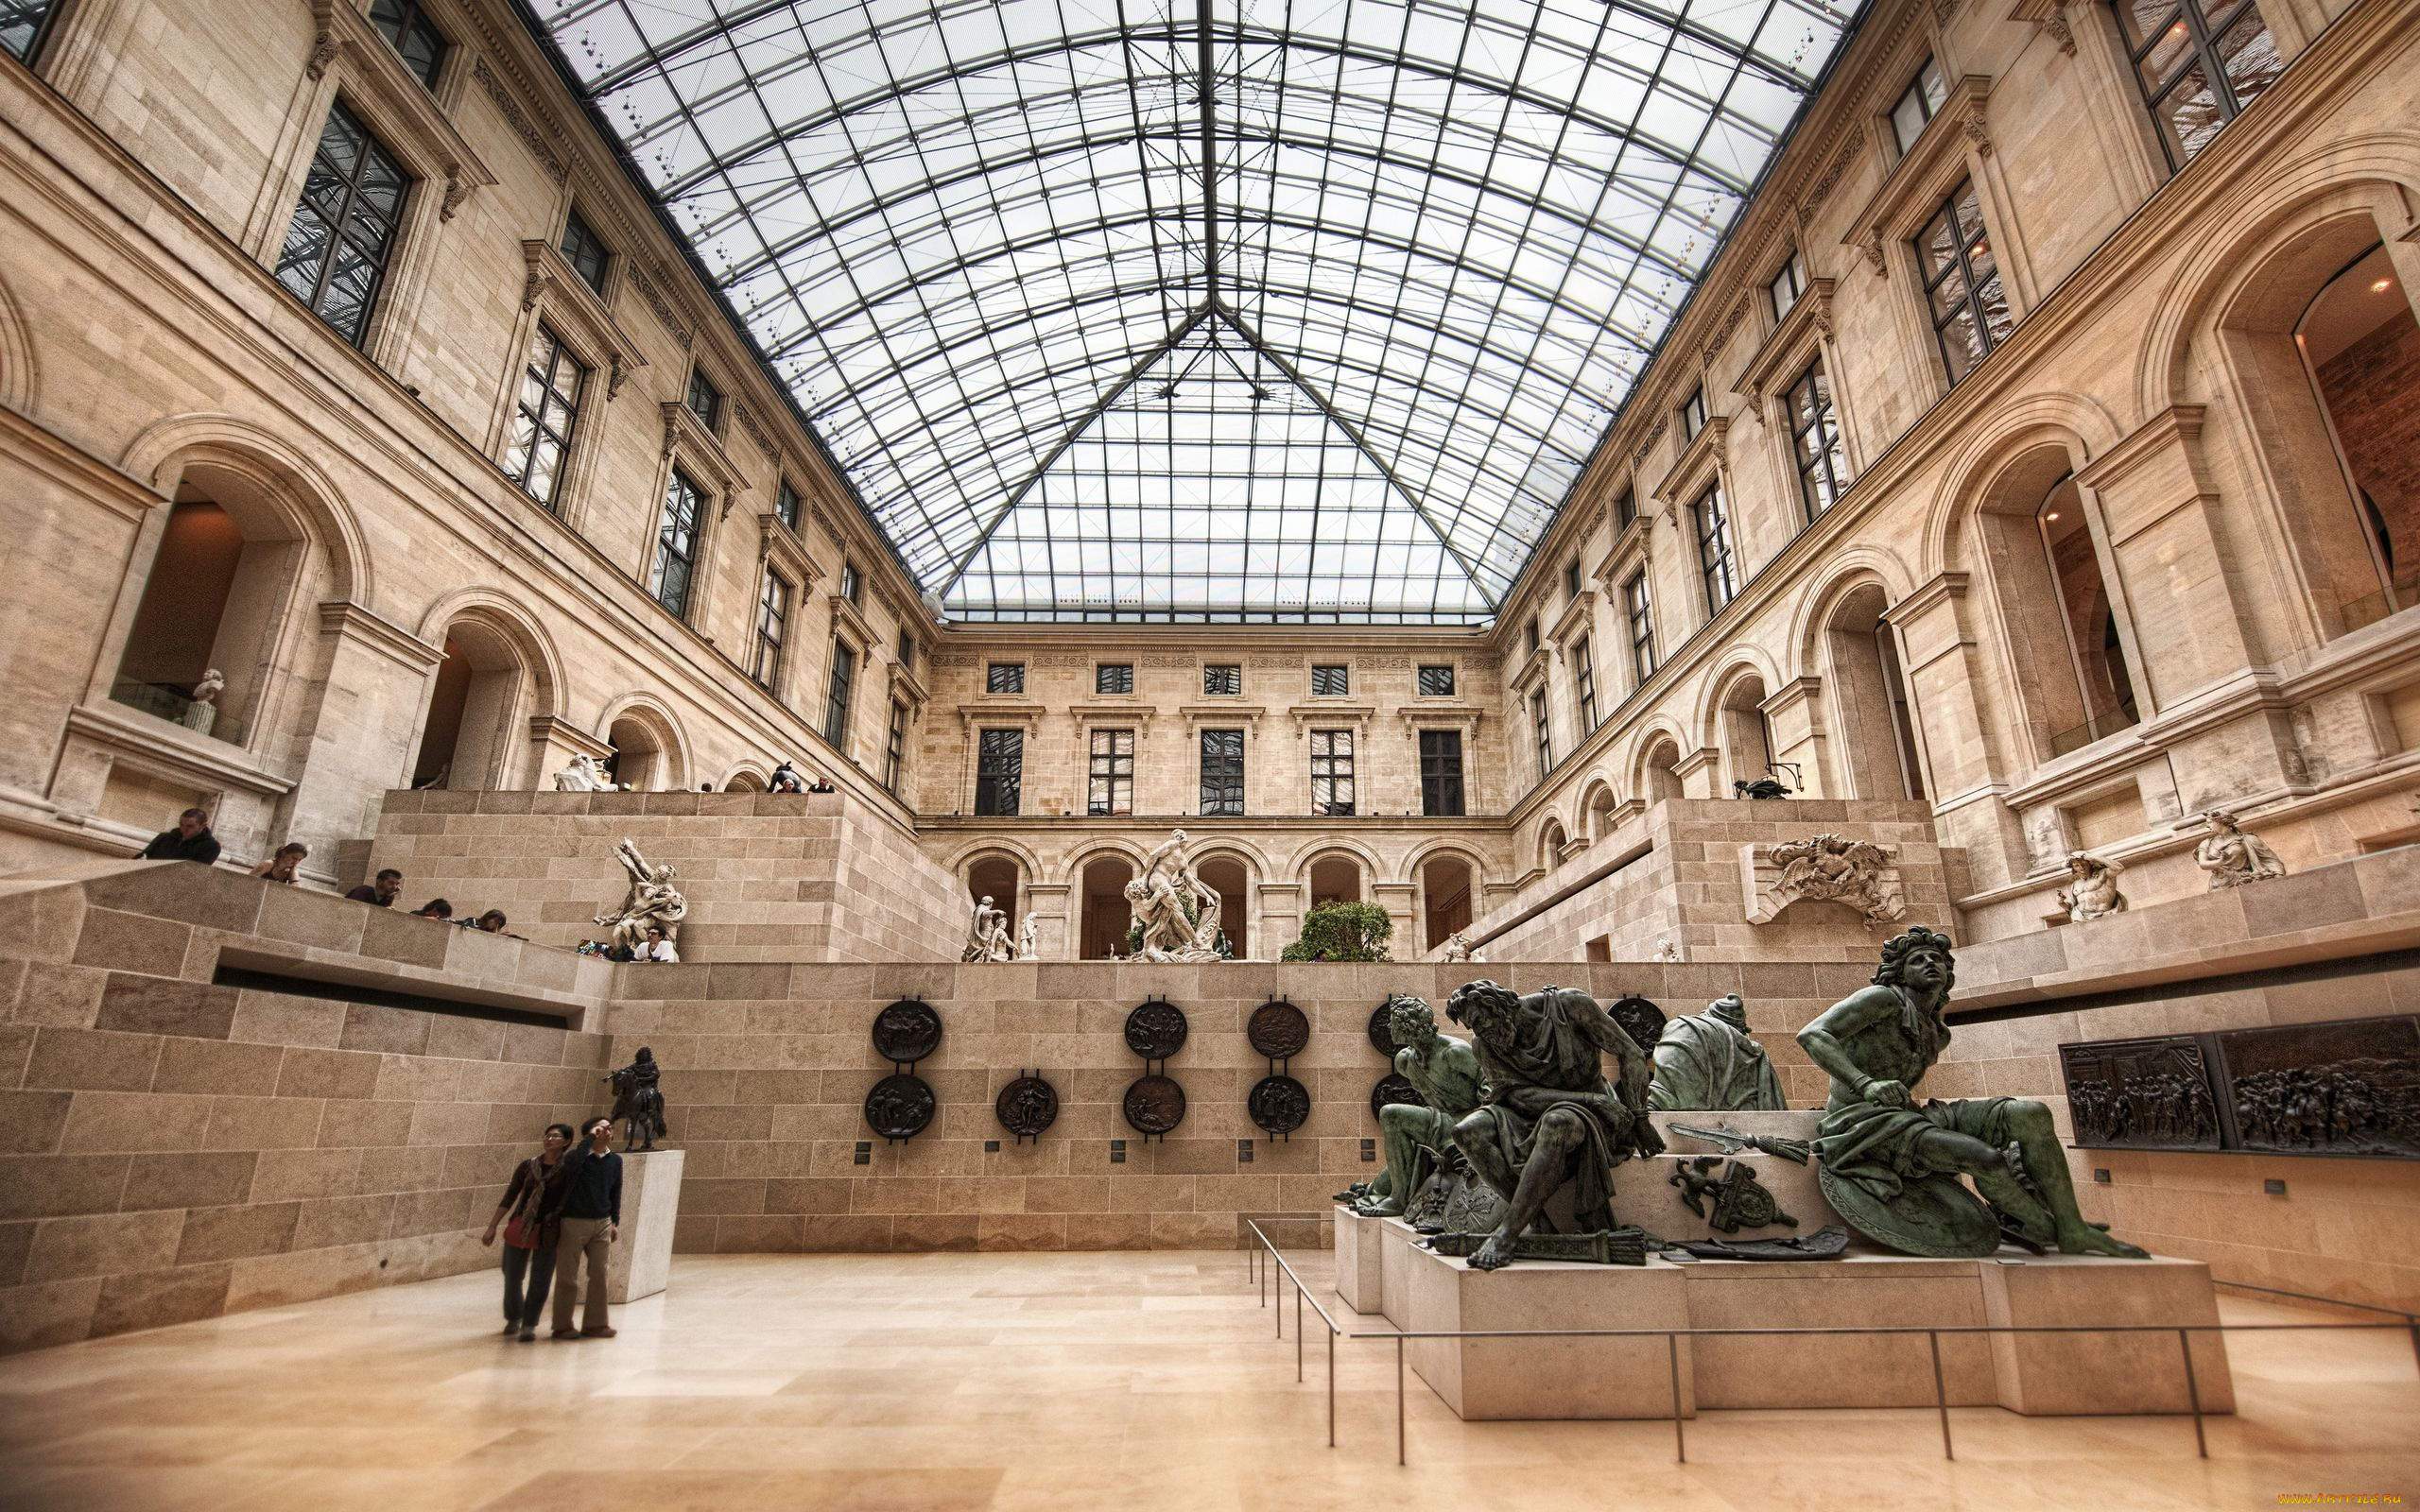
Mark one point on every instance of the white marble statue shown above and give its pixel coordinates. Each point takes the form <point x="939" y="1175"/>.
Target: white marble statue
<point x="1668" y="950"/>
<point x="202" y="713"/>
<point x="1457" y="947"/>
<point x="1158" y="897"/>
<point x="2232" y="857"/>
<point x="582" y="776"/>
<point x="987" y="935"/>
<point x="1027" y="947"/>
<point x="652" y="902"/>
<point x="2092" y="890"/>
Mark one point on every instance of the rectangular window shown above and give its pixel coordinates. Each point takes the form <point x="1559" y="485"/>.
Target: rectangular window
<point x="1970" y="313"/>
<point x="1815" y="439"/>
<point x="1004" y="677"/>
<point x="1640" y="613"/>
<point x="894" y="748"/>
<point x="836" y="703"/>
<point x="1332" y="772"/>
<point x="584" y="252"/>
<point x="1222" y="773"/>
<point x="1924" y="96"/>
<point x="1788" y="285"/>
<point x="414" y="37"/>
<point x="1583" y="672"/>
<point x="1437" y="682"/>
<point x="1692" y="415"/>
<point x="1626" y="511"/>
<point x="1330" y="682"/>
<point x="676" y="543"/>
<point x="1571" y="579"/>
<point x="1441" y="773"/>
<point x="1716" y="561"/>
<point x="2199" y="66"/>
<point x="772" y="626"/>
<point x="1545" y="733"/>
<point x="336" y="252"/>
<point x="1112" y="790"/>
<point x="1529" y="632"/>
<point x="1114" y="676"/>
<point x="999" y="772"/>
<point x="705" y="400"/>
<point x="906" y="651"/>
<point x="22" y="23"/>
<point x="785" y="504"/>
<point x="1223" y="681"/>
<point x="542" y="417"/>
<point x="853" y="584"/>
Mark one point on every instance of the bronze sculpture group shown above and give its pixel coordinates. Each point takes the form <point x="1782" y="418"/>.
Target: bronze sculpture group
<point x="1525" y="1108"/>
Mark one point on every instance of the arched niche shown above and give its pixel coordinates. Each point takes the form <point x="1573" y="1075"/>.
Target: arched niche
<point x="1446" y="883"/>
<point x="1745" y="734"/>
<point x="646" y="755"/>
<point x="2360" y="348"/>
<point x="1230" y="876"/>
<point x="1597" y="809"/>
<point x="1335" y="878"/>
<point x="746" y="780"/>
<point x="1876" y="733"/>
<point x="1551" y="839"/>
<point x="1107" y="915"/>
<point x="1659" y="771"/>
<point x="999" y="877"/>
<point x="477" y="700"/>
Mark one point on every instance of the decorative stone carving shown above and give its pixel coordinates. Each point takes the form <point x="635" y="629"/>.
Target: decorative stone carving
<point x="1732" y="1201"/>
<point x="2232" y="857"/>
<point x="2092" y="890"/>
<point x="514" y="116"/>
<point x="987" y="935"/>
<point x="1707" y="1061"/>
<point x="1176" y="910"/>
<point x="1668" y="951"/>
<point x="1028" y="950"/>
<point x="1891" y="1165"/>
<point x="1549" y="1119"/>
<point x="652" y="902"/>
<point x="582" y="776"/>
<point x="1827" y="868"/>
<point x="1456" y="949"/>
<point x="202" y="714"/>
<point x="1445" y="1073"/>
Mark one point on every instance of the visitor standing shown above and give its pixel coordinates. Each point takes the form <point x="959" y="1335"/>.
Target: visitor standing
<point x="280" y="867"/>
<point x="526" y="1253"/>
<point x="588" y="1218"/>
<point x="191" y="841"/>
<point x="380" y="893"/>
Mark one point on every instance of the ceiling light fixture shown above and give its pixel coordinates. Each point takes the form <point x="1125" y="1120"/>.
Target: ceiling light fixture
<point x="2382" y="286"/>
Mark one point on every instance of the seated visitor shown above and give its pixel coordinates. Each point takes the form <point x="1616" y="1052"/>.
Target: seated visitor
<point x="280" y="867"/>
<point x="493" y="923"/>
<point x="821" y="785"/>
<point x="380" y="892"/>
<point x="526" y="1253"/>
<point x="437" y="908"/>
<point x="785" y="780"/>
<point x="657" y="948"/>
<point x="191" y="841"/>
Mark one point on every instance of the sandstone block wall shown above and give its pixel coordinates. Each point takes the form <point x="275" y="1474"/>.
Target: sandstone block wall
<point x="768" y="1068"/>
<point x="797" y="877"/>
<point x="171" y="1149"/>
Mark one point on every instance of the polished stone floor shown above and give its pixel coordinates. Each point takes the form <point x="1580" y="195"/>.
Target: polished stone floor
<point x="1061" y="1380"/>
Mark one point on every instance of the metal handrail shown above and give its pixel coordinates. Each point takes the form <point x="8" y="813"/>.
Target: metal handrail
<point x="1257" y="1265"/>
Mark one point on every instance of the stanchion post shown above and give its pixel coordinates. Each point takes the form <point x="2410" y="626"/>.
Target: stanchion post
<point x="1399" y="1435"/>
<point x="2193" y="1393"/>
<point x="1940" y="1392"/>
<point x="1331" y="1388"/>
<point x="1298" y="1331"/>
<point x="1672" y="1353"/>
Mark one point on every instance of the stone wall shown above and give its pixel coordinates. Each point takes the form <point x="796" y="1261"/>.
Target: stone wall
<point x="768" y="1068"/>
<point x="171" y="1149"/>
<point x="797" y="877"/>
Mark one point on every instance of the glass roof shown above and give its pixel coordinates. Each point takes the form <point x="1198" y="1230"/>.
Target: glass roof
<point x="1220" y="309"/>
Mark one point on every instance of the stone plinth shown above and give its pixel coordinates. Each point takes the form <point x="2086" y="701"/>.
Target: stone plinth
<point x="651" y="1205"/>
<point x="1359" y="1274"/>
<point x="1595" y="1379"/>
<point x="1643" y="1194"/>
<point x="2039" y="1375"/>
<point x="2055" y="1375"/>
<point x="1396" y="1244"/>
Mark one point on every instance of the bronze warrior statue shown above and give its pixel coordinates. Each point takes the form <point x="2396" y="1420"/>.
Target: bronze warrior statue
<point x="1549" y="1116"/>
<point x="639" y="1101"/>
<point x="1891" y="1163"/>
<point x="1445" y="1072"/>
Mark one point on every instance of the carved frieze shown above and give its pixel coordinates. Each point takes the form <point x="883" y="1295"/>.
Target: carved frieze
<point x="514" y="116"/>
<point x="1827" y="868"/>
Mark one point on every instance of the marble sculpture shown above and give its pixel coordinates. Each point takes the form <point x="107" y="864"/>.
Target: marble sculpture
<point x="652" y="902"/>
<point x="2232" y="857"/>
<point x="1172" y="932"/>
<point x="2092" y="890"/>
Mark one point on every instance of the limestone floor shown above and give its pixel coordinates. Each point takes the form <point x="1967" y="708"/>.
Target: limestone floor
<point x="1061" y="1380"/>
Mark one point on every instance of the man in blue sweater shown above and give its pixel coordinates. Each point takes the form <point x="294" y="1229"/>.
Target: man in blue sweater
<point x="589" y="1214"/>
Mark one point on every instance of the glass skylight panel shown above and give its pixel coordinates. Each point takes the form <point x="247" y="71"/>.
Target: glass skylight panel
<point x="970" y="236"/>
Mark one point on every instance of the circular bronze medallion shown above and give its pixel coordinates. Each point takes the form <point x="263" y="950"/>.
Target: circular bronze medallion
<point x="906" y="1031"/>
<point x="1154" y="1105"/>
<point x="1392" y="1088"/>
<point x="1026" y="1106"/>
<point x="1640" y="1020"/>
<point x="1278" y="1030"/>
<point x="1279" y="1104"/>
<point x="1156" y="1030"/>
<point x="1382" y="1028"/>
<point x="900" y="1106"/>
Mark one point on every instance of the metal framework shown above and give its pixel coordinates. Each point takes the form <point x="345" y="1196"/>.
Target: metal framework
<point x="1204" y="309"/>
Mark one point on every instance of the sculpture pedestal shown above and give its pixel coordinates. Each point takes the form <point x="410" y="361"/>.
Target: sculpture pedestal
<point x="651" y="1202"/>
<point x="1396" y="1242"/>
<point x="1358" y="1277"/>
<point x="1609" y="1378"/>
<point x="1643" y="1194"/>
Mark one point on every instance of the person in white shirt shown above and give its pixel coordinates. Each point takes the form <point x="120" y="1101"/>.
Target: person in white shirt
<point x="657" y="948"/>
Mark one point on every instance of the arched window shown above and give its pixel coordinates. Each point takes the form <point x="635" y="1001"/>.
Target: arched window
<point x="1663" y="779"/>
<point x="1747" y="734"/>
<point x="2096" y="658"/>
<point x="2361" y="345"/>
<point x="1878" y="736"/>
<point x="1445" y="895"/>
<point x="212" y="603"/>
<point x="1550" y="843"/>
<point x="646" y="757"/>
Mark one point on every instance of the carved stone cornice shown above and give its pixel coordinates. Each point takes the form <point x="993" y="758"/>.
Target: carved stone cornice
<point x="1933" y="164"/>
<point x="406" y="116"/>
<point x="578" y="314"/>
<point x="1532" y="671"/>
<point x="644" y="284"/>
<point x="500" y="94"/>
<point x="847" y="616"/>
<point x="1332" y="712"/>
<point x="1792" y="346"/>
<point x="1001" y="712"/>
<point x="778" y="544"/>
<point x="354" y="623"/>
<point x="684" y="435"/>
<point x="1577" y="618"/>
<point x="1699" y="463"/>
<point x="907" y="690"/>
<point x="2050" y="16"/>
